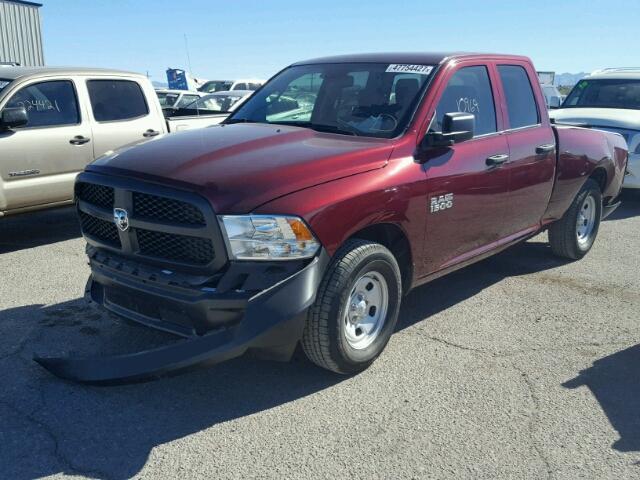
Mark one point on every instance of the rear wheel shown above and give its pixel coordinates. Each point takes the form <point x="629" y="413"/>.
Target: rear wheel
<point x="574" y="234"/>
<point x="356" y="308"/>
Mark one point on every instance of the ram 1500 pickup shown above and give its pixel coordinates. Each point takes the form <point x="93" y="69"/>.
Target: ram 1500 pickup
<point x="278" y="229"/>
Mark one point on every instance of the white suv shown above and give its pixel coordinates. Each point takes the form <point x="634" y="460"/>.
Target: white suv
<point x="609" y="99"/>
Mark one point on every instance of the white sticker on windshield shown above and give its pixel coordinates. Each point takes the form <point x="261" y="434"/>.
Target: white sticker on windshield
<point x="403" y="68"/>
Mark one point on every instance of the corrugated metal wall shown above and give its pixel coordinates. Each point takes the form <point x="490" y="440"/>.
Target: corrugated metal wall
<point x="20" y="35"/>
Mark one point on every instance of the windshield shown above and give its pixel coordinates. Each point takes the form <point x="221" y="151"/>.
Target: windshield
<point x="605" y="93"/>
<point x="369" y="99"/>
<point x="4" y="83"/>
<point x="216" y="86"/>
<point x="218" y="103"/>
<point x="167" y="99"/>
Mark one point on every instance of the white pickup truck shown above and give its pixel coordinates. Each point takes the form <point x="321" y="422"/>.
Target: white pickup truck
<point x="54" y="121"/>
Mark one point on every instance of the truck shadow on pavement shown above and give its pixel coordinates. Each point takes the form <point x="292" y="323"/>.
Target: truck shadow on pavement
<point x="443" y="293"/>
<point x="50" y="426"/>
<point x="630" y="206"/>
<point x="615" y="382"/>
<point x="31" y="230"/>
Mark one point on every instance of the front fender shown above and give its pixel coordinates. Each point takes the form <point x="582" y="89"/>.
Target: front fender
<point x="335" y="211"/>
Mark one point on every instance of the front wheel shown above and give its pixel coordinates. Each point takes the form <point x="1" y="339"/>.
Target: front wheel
<point x="574" y="234"/>
<point x="356" y="308"/>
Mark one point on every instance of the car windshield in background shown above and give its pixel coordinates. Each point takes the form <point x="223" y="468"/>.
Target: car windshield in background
<point x="605" y="93"/>
<point x="210" y="104"/>
<point x="216" y="86"/>
<point x="167" y="99"/>
<point x="4" y="83"/>
<point x="368" y="99"/>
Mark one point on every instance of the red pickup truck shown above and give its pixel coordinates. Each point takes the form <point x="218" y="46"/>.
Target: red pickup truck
<point x="340" y="185"/>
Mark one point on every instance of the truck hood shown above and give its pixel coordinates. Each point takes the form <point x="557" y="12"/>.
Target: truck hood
<point x="599" y="117"/>
<point x="241" y="166"/>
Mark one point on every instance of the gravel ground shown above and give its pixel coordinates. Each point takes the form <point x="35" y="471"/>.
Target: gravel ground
<point x="521" y="366"/>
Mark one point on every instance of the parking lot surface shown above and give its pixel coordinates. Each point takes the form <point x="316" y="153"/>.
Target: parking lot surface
<point x="521" y="366"/>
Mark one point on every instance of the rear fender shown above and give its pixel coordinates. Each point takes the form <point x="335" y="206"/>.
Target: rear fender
<point x="580" y="152"/>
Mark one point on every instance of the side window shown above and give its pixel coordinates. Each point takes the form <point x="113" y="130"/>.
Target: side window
<point x="254" y="86"/>
<point x="113" y="100"/>
<point x="241" y="86"/>
<point x="48" y="104"/>
<point x="468" y="90"/>
<point x="521" y="104"/>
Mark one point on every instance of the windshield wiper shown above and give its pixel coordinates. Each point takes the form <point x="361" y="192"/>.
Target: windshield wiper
<point x="318" y="127"/>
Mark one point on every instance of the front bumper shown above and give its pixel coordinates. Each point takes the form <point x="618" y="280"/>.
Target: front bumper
<point x="632" y="177"/>
<point x="218" y="325"/>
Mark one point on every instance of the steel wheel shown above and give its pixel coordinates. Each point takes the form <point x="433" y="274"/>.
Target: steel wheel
<point x="366" y="310"/>
<point x="586" y="221"/>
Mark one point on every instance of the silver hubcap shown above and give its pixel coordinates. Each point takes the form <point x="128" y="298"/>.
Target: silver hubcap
<point x="586" y="221"/>
<point x="366" y="310"/>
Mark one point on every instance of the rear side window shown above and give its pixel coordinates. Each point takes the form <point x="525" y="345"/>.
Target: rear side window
<point x="521" y="104"/>
<point x="113" y="100"/>
<point x="469" y="90"/>
<point x="240" y="86"/>
<point x="48" y="104"/>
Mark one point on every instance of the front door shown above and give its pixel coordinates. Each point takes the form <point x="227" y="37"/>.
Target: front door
<point x="39" y="162"/>
<point x="467" y="192"/>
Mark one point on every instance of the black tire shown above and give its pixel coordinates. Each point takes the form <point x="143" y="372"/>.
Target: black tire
<point x="563" y="234"/>
<point x="324" y="340"/>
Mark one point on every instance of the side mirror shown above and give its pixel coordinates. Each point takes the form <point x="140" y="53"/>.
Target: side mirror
<point x="456" y="127"/>
<point x="554" y="102"/>
<point x="13" y="117"/>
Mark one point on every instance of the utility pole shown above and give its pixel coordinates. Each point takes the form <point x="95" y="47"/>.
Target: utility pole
<point x="186" y="46"/>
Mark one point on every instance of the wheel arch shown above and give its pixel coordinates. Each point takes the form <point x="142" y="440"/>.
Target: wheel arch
<point x="599" y="175"/>
<point x="394" y="238"/>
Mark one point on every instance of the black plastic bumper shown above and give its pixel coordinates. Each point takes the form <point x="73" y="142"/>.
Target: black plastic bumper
<point x="271" y="320"/>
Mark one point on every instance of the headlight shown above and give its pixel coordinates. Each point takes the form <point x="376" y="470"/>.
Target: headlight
<point x="268" y="237"/>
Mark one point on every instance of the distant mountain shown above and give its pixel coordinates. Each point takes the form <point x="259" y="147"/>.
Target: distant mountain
<point x="158" y="84"/>
<point x="569" y="79"/>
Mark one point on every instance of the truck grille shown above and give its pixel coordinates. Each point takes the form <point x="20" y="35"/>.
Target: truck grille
<point x="175" y="247"/>
<point x="168" y="227"/>
<point x="99" y="195"/>
<point x="100" y="229"/>
<point x="166" y="209"/>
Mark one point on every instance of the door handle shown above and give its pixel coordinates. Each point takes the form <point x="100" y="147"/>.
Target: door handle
<point x="150" y="133"/>
<point x="79" y="140"/>
<point x="547" y="148"/>
<point x="499" y="159"/>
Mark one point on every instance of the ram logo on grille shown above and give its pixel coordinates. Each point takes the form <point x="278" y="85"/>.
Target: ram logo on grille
<point x="121" y="217"/>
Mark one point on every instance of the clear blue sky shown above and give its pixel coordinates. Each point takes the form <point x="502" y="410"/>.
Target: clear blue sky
<point x="255" y="38"/>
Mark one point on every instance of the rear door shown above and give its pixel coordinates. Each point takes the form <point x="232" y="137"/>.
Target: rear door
<point x="39" y="162"/>
<point x="532" y="158"/>
<point x="120" y="114"/>
<point x="467" y="196"/>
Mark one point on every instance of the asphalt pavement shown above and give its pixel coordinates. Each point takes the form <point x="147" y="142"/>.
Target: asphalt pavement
<point x="521" y="366"/>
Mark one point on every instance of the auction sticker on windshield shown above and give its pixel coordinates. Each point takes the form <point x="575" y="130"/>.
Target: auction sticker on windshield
<point x="403" y="68"/>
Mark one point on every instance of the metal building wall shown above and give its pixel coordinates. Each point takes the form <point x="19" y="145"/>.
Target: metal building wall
<point x="20" y="34"/>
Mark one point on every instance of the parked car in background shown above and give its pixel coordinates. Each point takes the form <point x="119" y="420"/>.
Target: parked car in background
<point x="209" y="110"/>
<point x="262" y="234"/>
<point x="54" y="121"/>
<point x="212" y="86"/>
<point x="552" y="96"/>
<point x="609" y="100"/>
<point x="177" y="98"/>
